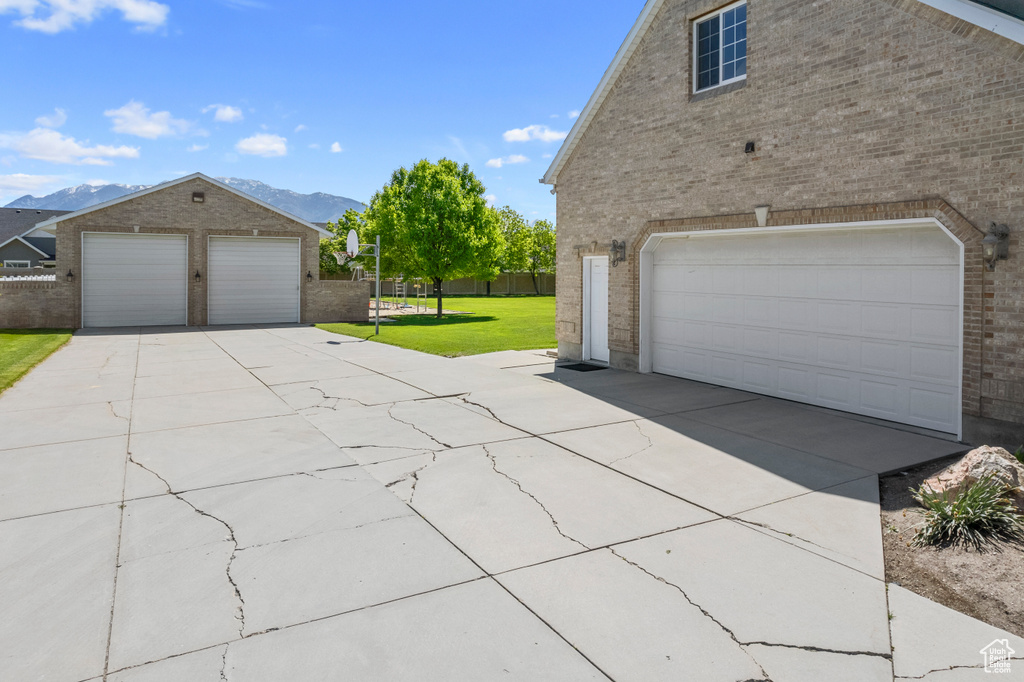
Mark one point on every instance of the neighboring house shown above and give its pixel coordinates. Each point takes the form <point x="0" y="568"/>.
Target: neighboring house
<point x="21" y="244"/>
<point x="193" y="251"/>
<point x="791" y="198"/>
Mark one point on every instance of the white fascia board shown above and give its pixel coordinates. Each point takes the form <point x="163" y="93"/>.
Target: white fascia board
<point x="19" y="239"/>
<point x="626" y="51"/>
<point x="983" y="17"/>
<point x="172" y="183"/>
<point x="44" y="234"/>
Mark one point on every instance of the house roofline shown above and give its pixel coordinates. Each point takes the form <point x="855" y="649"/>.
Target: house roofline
<point x="19" y="238"/>
<point x="989" y="19"/>
<point x="626" y="51"/>
<point x="172" y="183"/>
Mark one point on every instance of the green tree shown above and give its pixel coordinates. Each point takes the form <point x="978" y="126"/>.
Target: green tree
<point x="540" y="255"/>
<point x="433" y="222"/>
<point x="517" y="237"/>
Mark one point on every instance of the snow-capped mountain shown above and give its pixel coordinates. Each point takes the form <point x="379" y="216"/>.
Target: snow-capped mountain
<point x="317" y="207"/>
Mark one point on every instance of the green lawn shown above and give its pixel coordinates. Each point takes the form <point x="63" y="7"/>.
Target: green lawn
<point x="495" y="323"/>
<point x="23" y="349"/>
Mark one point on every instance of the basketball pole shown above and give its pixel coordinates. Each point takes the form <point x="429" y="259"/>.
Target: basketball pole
<point x="376" y="329"/>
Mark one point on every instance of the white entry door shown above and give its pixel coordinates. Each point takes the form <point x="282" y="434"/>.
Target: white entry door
<point x="253" y="280"/>
<point x="134" y="280"/>
<point x="861" y="320"/>
<point x="595" y="309"/>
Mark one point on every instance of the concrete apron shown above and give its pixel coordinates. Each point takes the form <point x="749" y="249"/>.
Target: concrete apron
<point x="282" y="503"/>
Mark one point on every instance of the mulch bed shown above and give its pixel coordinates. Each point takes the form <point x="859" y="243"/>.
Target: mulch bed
<point x="987" y="585"/>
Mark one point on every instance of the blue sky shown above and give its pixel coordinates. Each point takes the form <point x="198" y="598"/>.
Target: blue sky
<point x="303" y="95"/>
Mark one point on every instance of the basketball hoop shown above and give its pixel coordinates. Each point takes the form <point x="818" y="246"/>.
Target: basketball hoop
<point x="341" y="257"/>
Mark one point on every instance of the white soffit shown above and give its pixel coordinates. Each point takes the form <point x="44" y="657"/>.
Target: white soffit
<point x="988" y="19"/>
<point x="603" y="88"/>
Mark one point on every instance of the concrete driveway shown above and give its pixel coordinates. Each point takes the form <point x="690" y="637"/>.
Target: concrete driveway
<point x="286" y="504"/>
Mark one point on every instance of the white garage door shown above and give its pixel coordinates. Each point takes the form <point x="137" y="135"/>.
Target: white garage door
<point x="861" y="320"/>
<point x="253" y="280"/>
<point x="133" y="280"/>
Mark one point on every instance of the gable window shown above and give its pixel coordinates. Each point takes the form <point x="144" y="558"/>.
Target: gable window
<point x="17" y="264"/>
<point x="720" y="47"/>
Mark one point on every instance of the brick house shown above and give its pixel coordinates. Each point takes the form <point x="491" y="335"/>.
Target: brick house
<point x="21" y="244"/>
<point x="818" y="201"/>
<point x="192" y="251"/>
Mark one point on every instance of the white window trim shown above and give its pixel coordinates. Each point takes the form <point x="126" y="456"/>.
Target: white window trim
<point x="17" y="264"/>
<point x="696" y="45"/>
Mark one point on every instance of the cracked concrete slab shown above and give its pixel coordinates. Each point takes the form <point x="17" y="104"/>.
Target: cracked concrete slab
<point x="802" y="600"/>
<point x="631" y="625"/>
<point x="928" y="638"/>
<point x="200" y="666"/>
<point x="507" y="359"/>
<point x="520" y="502"/>
<point x="840" y="523"/>
<point x="717" y="469"/>
<point x="308" y="370"/>
<point x="468" y="632"/>
<point x="196" y="409"/>
<point x="368" y="390"/>
<point x="298" y="506"/>
<point x="451" y="424"/>
<point x="453" y="378"/>
<point x="786" y="664"/>
<point x="60" y="477"/>
<point x="541" y="408"/>
<point x="56" y="584"/>
<point x="293" y="582"/>
<point x="174" y="585"/>
<point x="215" y="454"/>
<point x="350" y="427"/>
<point x="664" y="394"/>
<point x="879" y="449"/>
<point x="65" y="424"/>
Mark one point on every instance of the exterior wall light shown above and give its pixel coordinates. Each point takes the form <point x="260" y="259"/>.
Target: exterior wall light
<point x="750" y="148"/>
<point x="198" y="277"/>
<point x="996" y="245"/>
<point x="70" y="276"/>
<point x="309" y="276"/>
<point x="617" y="252"/>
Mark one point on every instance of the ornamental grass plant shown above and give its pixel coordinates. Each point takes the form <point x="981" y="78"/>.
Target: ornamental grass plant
<point x="978" y="516"/>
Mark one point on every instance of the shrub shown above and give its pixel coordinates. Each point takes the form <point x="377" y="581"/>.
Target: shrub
<point x="1020" y="454"/>
<point x="978" y="515"/>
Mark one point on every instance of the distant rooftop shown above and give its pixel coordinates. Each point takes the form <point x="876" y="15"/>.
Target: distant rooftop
<point x="17" y="221"/>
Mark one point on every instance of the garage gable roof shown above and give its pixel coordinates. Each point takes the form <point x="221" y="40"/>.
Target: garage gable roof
<point x="1000" y="21"/>
<point x="172" y="183"/>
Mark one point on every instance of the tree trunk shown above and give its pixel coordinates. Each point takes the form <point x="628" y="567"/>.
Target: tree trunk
<point x="533" y="276"/>
<point x="488" y="288"/>
<point x="437" y="291"/>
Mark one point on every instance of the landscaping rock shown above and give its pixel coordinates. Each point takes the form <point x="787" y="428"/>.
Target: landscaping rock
<point x="976" y="465"/>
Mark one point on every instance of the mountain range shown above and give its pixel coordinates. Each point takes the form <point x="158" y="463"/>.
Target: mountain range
<point x="316" y="208"/>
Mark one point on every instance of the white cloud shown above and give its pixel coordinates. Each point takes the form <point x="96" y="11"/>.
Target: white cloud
<point x="135" y="118"/>
<point x="491" y="200"/>
<point x="575" y="113"/>
<point x="507" y="160"/>
<point x="263" y="144"/>
<point x="58" y="119"/>
<point x="299" y="128"/>
<point x="546" y="156"/>
<point x="314" y="146"/>
<point x="19" y="182"/>
<point x="49" y="145"/>
<point x="534" y="132"/>
<point x="198" y="148"/>
<point x="225" y="113"/>
<point x="336" y="148"/>
<point x="54" y="16"/>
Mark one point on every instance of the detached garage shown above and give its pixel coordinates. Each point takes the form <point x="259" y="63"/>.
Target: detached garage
<point x="193" y="251"/>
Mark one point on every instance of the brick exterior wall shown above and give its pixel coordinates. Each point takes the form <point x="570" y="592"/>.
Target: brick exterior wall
<point x="36" y="305"/>
<point x="859" y="109"/>
<point x="172" y="211"/>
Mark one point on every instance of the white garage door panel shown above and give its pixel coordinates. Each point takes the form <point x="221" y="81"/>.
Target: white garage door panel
<point x="253" y="280"/>
<point x="133" y="280"/>
<point x="864" y="320"/>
